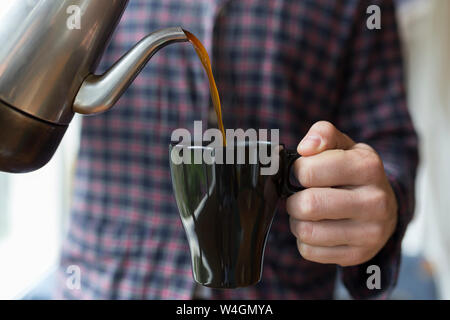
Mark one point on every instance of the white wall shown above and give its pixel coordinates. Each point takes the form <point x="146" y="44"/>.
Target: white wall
<point x="33" y="211"/>
<point x="426" y="33"/>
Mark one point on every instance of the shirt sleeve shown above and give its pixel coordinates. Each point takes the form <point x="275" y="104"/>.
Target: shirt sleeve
<point x="373" y="110"/>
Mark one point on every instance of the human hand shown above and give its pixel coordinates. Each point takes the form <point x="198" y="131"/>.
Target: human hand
<point x="348" y="210"/>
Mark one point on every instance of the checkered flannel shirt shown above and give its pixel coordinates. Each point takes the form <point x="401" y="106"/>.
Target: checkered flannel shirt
<point x="279" y="64"/>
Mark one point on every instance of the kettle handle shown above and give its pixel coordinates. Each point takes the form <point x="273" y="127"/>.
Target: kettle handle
<point x="99" y="93"/>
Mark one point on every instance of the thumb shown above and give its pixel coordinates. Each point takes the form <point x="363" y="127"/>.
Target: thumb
<point x="322" y="136"/>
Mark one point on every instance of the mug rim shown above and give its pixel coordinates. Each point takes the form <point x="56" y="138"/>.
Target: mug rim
<point x="193" y="145"/>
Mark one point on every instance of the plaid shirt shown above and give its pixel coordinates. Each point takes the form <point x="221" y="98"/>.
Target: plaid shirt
<point x="278" y="64"/>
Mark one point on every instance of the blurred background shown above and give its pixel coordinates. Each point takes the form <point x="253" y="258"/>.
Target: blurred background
<point x="31" y="231"/>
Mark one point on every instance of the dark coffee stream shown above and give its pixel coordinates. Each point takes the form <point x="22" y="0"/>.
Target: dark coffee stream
<point x="206" y="62"/>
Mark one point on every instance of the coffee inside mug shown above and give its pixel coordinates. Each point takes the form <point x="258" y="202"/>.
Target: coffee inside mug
<point x="227" y="208"/>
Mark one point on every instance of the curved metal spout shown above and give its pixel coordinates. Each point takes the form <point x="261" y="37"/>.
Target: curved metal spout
<point x="99" y="93"/>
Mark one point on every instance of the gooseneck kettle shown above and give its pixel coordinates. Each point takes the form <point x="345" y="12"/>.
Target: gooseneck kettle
<point x="46" y="72"/>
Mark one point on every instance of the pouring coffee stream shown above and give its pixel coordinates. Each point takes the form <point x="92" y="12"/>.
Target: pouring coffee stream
<point x="206" y="62"/>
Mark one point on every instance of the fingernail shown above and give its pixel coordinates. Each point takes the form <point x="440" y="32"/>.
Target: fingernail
<point x="310" y="142"/>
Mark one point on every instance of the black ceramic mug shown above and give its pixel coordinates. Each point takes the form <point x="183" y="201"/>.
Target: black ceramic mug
<point x="227" y="211"/>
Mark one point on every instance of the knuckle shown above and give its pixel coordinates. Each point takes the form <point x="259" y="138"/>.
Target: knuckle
<point x="305" y="173"/>
<point x="306" y="231"/>
<point x="358" y="256"/>
<point x="361" y="145"/>
<point x="308" y="204"/>
<point x="352" y="258"/>
<point x="373" y="234"/>
<point x="378" y="232"/>
<point x="305" y="250"/>
<point x="325" y="127"/>
<point x="293" y="226"/>
<point x="340" y="153"/>
<point x="364" y="155"/>
<point x="364" y="255"/>
<point x="376" y="165"/>
<point x="346" y="236"/>
<point x="292" y="205"/>
<point x="327" y="131"/>
<point x="298" y="164"/>
<point x="379" y="202"/>
<point x="372" y="164"/>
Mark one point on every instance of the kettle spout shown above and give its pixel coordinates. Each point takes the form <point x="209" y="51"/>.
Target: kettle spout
<point x="99" y="93"/>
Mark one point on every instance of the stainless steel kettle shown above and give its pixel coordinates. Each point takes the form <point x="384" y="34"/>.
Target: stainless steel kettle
<point x="46" y="71"/>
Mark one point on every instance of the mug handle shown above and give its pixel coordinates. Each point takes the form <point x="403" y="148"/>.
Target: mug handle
<point x="287" y="188"/>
